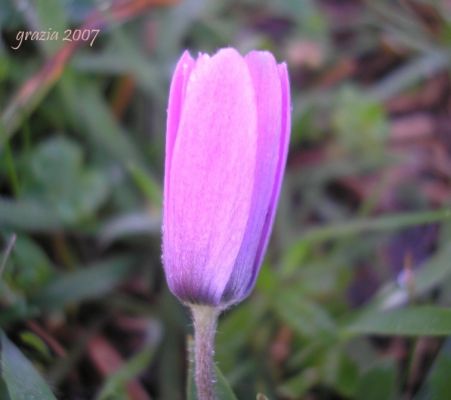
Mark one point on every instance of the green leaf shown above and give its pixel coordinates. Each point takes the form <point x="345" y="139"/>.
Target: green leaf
<point x="438" y="385"/>
<point x="412" y="321"/>
<point x="299" y="384"/>
<point x="122" y="56"/>
<point x="326" y="365"/>
<point x="355" y="112"/>
<point x="307" y="318"/>
<point x="97" y="122"/>
<point x="146" y="183"/>
<point x="57" y="179"/>
<point x="18" y="311"/>
<point x="223" y="389"/>
<point x="391" y="222"/>
<point x="36" y="343"/>
<point x="4" y="394"/>
<point x="337" y="370"/>
<point x="172" y="380"/>
<point x="130" y="225"/>
<point x="379" y="382"/>
<point x="91" y="282"/>
<point x="22" y="381"/>
<point x="28" y="216"/>
<point x="235" y="331"/>
<point x="361" y="225"/>
<point x="31" y="267"/>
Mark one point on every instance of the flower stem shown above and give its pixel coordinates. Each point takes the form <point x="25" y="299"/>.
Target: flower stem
<point x="205" y="320"/>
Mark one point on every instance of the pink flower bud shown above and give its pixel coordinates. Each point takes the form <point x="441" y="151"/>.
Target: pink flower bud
<point x="227" y="138"/>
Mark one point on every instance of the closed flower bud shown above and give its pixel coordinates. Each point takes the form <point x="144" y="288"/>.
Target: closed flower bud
<point x="228" y="131"/>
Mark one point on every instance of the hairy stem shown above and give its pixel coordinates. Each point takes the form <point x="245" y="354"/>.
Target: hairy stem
<point x="205" y="319"/>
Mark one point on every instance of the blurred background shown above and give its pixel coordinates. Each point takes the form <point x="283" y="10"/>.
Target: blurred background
<point x="362" y="232"/>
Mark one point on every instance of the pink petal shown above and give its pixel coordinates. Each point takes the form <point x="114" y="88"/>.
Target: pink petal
<point x="284" y="140"/>
<point x="211" y="178"/>
<point x="269" y="97"/>
<point x="177" y="94"/>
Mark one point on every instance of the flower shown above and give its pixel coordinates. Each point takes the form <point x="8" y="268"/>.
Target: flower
<point x="228" y="129"/>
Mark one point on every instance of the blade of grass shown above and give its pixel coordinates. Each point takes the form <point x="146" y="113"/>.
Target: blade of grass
<point x="87" y="283"/>
<point x="385" y="223"/>
<point x="98" y="122"/>
<point x="12" y="172"/>
<point x="22" y="380"/>
<point x="146" y="183"/>
<point x="412" y="321"/>
<point x="360" y="225"/>
<point x="8" y="249"/>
